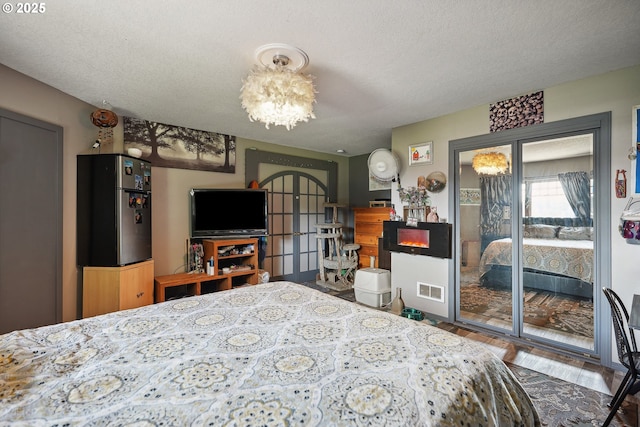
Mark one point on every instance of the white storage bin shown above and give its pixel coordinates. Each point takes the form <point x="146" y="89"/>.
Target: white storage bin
<point x="372" y="286"/>
<point x="373" y="299"/>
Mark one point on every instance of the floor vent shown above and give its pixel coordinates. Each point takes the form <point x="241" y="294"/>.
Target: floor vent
<point x="431" y="292"/>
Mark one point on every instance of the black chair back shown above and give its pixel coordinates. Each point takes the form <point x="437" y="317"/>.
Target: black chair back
<point x="625" y="339"/>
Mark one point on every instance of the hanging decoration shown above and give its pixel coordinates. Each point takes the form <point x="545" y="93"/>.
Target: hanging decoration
<point x="434" y="182"/>
<point x="629" y="227"/>
<point x="105" y="120"/>
<point x="621" y="184"/>
<point x="492" y="163"/>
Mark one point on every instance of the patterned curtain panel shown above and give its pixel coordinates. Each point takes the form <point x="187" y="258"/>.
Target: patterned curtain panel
<point x="576" y="186"/>
<point x="495" y="194"/>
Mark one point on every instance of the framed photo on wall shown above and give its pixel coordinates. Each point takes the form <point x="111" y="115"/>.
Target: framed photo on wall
<point x="421" y="154"/>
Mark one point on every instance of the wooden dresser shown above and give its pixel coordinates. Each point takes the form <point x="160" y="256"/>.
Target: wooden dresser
<point x="367" y="233"/>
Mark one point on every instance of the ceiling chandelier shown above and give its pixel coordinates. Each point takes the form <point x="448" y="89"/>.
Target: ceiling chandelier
<point x="276" y="92"/>
<point x="491" y="163"/>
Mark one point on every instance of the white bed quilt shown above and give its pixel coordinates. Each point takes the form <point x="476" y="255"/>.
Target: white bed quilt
<point x="276" y="354"/>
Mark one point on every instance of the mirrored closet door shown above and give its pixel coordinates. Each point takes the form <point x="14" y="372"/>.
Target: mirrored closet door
<point x="526" y="214"/>
<point x="556" y="243"/>
<point x="485" y="207"/>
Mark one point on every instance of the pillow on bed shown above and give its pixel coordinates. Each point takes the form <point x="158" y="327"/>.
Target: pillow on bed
<point x="541" y="231"/>
<point x="575" y="233"/>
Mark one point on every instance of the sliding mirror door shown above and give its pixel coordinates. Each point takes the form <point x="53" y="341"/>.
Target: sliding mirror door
<point x="557" y="240"/>
<point x="485" y="206"/>
<point x="530" y="206"/>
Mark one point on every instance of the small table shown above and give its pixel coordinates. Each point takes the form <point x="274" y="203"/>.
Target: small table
<point x="634" y="317"/>
<point x="192" y="281"/>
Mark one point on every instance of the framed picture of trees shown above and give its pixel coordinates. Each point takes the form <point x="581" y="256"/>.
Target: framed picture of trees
<point x="179" y="147"/>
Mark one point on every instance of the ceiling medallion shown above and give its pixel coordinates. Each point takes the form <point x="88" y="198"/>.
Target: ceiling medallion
<point x="276" y="91"/>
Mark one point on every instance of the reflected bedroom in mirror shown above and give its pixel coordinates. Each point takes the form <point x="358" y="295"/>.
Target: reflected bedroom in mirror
<point x="551" y="264"/>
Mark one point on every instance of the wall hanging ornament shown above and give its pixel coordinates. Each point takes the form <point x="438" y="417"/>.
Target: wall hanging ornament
<point x="435" y="182"/>
<point x="105" y="120"/>
<point x="621" y="184"/>
<point x="517" y="112"/>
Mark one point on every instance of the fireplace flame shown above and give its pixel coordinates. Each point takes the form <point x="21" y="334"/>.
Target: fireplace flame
<point x="413" y="244"/>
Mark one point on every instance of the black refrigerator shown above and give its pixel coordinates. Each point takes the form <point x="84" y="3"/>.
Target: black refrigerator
<point x="114" y="210"/>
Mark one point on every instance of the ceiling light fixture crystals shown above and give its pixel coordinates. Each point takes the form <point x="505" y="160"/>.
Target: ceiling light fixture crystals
<point x="492" y="163"/>
<point x="278" y="93"/>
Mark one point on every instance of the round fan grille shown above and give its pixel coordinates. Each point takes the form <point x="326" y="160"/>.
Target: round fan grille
<point x="383" y="165"/>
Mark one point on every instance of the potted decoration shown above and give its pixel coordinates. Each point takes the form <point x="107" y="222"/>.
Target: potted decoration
<point x="416" y="201"/>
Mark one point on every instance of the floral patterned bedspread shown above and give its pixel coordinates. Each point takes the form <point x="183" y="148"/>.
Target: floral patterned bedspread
<point x="274" y="354"/>
<point x="572" y="258"/>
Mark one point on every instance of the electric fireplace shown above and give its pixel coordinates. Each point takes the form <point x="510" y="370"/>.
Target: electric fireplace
<point x="427" y="238"/>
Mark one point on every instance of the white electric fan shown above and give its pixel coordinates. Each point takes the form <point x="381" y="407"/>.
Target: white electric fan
<point x="383" y="166"/>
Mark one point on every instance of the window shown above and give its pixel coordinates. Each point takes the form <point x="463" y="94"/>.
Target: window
<point x="545" y="198"/>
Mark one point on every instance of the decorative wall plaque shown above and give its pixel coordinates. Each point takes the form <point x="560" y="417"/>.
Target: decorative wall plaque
<point x="516" y="112"/>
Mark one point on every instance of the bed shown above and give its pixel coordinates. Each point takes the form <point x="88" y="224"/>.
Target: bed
<point x="555" y="259"/>
<point x="271" y="354"/>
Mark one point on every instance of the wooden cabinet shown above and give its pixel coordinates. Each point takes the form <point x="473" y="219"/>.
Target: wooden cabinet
<point x="368" y="230"/>
<point x="180" y="285"/>
<point x="240" y="256"/>
<point x="108" y="289"/>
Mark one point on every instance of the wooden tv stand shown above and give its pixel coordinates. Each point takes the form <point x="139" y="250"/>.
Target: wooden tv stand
<point x="235" y="254"/>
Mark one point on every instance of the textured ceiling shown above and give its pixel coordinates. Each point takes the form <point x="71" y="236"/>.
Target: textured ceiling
<point x="378" y="64"/>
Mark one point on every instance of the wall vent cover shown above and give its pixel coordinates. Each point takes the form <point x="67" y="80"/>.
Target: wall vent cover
<point x="432" y="292"/>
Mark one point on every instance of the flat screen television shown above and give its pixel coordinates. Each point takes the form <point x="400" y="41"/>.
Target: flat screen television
<point x="224" y="212"/>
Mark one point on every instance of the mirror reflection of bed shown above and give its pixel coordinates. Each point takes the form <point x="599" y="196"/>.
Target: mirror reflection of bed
<point x="556" y="258"/>
<point x="557" y="277"/>
<point x="557" y="244"/>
